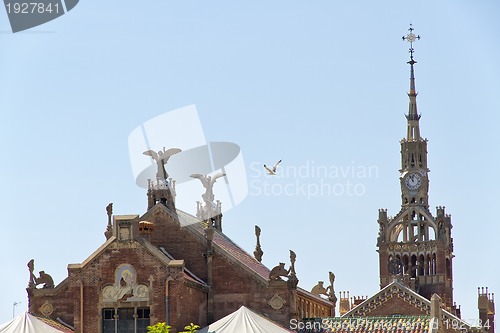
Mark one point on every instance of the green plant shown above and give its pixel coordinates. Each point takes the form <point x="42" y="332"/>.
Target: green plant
<point x="191" y="328"/>
<point x="160" y="327"/>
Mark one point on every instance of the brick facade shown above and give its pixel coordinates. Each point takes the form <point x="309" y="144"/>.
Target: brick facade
<point x="168" y="273"/>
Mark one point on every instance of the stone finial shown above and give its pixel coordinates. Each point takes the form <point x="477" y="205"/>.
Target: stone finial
<point x="292" y="276"/>
<point x="331" y="290"/>
<point x="31" y="268"/>
<point x="435" y="306"/>
<point x="109" y="229"/>
<point x="258" y="253"/>
<point x="435" y="323"/>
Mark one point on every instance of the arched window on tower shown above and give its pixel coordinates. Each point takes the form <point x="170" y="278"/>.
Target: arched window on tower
<point x="428" y="265"/>
<point x="448" y="268"/>
<point x="421" y="265"/>
<point x="413" y="267"/>
<point x="432" y="233"/>
<point x="433" y="263"/>
<point x="405" y="264"/>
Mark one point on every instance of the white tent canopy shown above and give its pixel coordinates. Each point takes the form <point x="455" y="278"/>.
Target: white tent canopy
<point x="26" y="323"/>
<point x="243" y="321"/>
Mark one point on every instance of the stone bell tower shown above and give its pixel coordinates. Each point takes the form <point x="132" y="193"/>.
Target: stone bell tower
<point x="415" y="246"/>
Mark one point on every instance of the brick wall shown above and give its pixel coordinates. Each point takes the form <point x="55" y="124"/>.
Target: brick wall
<point x="178" y="241"/>
<point x="235" y="286"/>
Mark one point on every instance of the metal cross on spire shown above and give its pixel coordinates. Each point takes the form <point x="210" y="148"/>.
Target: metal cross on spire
<point x="411" y="37"/>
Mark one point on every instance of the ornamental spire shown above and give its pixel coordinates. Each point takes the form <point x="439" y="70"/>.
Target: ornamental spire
<point x="413" y="116"/>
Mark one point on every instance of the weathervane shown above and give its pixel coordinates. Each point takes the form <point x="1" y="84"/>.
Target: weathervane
<point x="411" y="37"/>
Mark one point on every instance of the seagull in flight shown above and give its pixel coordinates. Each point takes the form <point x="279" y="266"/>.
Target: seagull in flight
<point x="272" y="171"/>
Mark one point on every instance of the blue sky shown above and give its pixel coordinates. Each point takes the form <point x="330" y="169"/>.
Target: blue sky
<point x="318" y="83"/>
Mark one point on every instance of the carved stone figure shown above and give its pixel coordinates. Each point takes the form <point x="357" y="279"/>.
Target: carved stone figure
<point x="277" y="272"/>
<point x="319" y="289"/>
<point x="208" y="183"/>
<point x="44" y="279"/>
<point x="161" y="158"/>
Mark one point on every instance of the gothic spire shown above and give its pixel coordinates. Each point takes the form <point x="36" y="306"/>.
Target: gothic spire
<point x="412" y="116"/>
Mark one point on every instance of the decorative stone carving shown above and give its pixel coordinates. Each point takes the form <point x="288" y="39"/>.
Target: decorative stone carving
<point x="31" y="268"/>
<point x="44" y="278"/>
<point x="46" y="309"/>
<point x="125" y="293"/>
<point x="125" y="288"/>
<point x="161" y="158"/>
<point x="292" y="277"/>
<point x="276" y="302"/>
<point x="319" y="289"/>
<point x="331" y="292"/>
<point x="208" y="183"/>
<point x="109" y="228"/>
<point x="258" y="250"/>
<point x="277" y="272"/>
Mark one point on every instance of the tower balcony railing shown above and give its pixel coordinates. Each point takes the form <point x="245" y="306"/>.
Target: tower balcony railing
<point x="431" y="279"/>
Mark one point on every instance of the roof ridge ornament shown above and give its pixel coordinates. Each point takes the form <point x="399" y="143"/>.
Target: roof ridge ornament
<point x="410" y="38"/>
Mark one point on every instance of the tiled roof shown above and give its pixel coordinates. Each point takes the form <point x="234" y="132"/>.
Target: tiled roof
<point x="393" y="289"/>
<point x="390" y="324"/>
<point x="55" y="324"/>
<point x="239" y="254"/>
<point x="224" y="243"/>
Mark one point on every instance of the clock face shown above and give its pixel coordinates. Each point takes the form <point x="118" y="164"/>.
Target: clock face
<point x="413" y="181"/>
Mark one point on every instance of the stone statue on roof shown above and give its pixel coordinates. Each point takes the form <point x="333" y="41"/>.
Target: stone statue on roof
<point x="208" y="183"/>
<point x="319" y="289"/>
<point x="277" y="272"/>
<point x="161" y="158"/>
<point x="44" y="278"/>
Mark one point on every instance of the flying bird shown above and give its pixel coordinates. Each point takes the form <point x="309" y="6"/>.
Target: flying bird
<point x="272" y="171"/>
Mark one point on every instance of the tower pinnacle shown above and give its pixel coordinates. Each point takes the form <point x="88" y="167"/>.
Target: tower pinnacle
<point x="413" y="116"/>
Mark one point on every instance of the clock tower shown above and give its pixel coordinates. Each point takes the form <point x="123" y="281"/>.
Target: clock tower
<point x="414" y="246"/>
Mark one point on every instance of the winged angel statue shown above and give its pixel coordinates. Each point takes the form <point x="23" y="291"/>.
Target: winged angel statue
<point x="208" y="183"/>
<point x="161" y="159"/>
